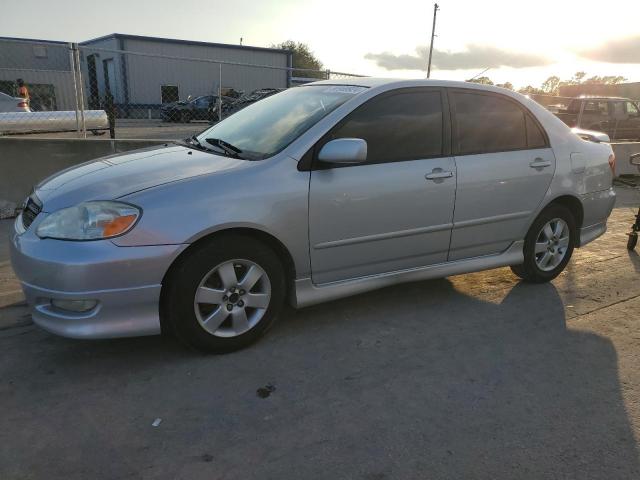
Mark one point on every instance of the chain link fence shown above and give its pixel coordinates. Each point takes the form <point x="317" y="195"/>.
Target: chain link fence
<point x="155" y="91"/>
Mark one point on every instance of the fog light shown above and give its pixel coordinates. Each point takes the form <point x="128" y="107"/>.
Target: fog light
<point x="74" y="305"/>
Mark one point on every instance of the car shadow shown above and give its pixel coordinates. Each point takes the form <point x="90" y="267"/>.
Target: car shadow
<point x="426" y="380"/>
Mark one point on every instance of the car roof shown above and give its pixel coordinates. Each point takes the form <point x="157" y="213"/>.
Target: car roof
<point x="594" y="97"/>
<point x="372" y="82"/>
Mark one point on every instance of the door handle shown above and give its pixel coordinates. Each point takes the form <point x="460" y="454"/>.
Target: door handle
<point x="540" y="163"/>
<point x="437" y="174"/>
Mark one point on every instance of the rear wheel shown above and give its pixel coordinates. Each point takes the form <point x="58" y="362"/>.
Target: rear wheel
<point x="548" y="245"/>
<point x="225" y="294"/>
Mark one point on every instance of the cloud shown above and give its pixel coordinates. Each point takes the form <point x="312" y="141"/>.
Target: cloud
<point x="475" y="56"/>
<point x="623" y="50"/>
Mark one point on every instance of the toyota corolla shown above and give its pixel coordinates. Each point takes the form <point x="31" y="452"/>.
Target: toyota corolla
<point x="316" y="193"/>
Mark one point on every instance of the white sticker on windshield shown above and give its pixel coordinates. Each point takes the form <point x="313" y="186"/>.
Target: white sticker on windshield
<point x="345" y="89"/>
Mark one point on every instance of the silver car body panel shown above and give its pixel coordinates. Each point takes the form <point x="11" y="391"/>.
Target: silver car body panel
<point x="187" y="195"/>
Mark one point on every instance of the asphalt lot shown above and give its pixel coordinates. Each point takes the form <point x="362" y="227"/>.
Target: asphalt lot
<point x="471" y="377"/>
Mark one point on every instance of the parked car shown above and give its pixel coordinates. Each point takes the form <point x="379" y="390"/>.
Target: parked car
<point x="184" y="111"/>
<point x="13" y="104"/>
<point x="316" y="193"/>
<point x="617" y="117"/>
<point x="235" y="105"/>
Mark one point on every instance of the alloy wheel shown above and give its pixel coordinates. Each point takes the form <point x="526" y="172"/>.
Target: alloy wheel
<point x="552" y="244"/>
<point x="232" y="298"/>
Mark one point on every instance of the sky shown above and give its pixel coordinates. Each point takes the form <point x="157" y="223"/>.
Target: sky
<point x="520" y="42"/>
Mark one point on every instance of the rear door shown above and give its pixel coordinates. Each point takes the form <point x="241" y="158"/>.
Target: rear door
<point x="393" y="212"/>
<point x="505" y="166"/>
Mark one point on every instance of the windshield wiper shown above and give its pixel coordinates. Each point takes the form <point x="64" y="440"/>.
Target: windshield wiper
<point x="192" y="142"/>
<point x="227" y="148"/>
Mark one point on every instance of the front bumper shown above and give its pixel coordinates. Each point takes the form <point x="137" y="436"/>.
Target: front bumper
<point x="124" y="283"/>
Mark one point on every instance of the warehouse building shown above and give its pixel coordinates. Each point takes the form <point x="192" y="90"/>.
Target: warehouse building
<point x="140" y="73"/>
<point x="159" y="70"/>
<point x="44" y="65"/>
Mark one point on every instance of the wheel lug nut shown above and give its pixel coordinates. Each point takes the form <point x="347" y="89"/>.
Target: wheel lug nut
<point x="232" y="289"/>
<point x="242" y="292"/>
<point x="241" y="303"/>
<point x="225" y="298"/>
<point x="229" y="307"/>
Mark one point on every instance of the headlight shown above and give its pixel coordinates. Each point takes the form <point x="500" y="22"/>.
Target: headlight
<point x="89" y="221"/>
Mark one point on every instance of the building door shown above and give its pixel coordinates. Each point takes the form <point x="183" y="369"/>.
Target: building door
<point x="110" y="83"/>
<point x="94" y="96"/>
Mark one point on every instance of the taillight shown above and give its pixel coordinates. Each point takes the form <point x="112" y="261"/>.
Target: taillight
<point x="23" y="104"/>
<point x="612" y="163"/>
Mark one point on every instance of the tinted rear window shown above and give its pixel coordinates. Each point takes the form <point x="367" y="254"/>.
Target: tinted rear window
<point x="487" y="123"/>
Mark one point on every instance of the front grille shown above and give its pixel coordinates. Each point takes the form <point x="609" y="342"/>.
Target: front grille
<point x="31" y="211"/>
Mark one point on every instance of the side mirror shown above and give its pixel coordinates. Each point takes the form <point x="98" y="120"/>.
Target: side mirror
<point x="348" y="151"/>
<point x="635" y="159"/>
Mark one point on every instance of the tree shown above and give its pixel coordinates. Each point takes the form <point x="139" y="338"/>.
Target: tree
<point x="550" y="85"/>
<point x="606" y="80"/>
<point x="303" y="57"/>
<point x="507" y="85"/>
<point x="529" y="90"/>
<point x="482" y="80"/>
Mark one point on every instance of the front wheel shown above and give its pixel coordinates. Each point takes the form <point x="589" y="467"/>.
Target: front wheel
<point x="548" y="245"/>
<point x="225" y="294"/>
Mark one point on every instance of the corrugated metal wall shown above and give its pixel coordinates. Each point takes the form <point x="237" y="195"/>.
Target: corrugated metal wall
<point x="145" y="75"/>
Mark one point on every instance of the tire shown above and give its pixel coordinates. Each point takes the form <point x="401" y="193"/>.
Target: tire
<point x="217" y="325"/>
<point x="536" y="267"/>
<point x="185" y="117"/>
<point x="633" y="240"/>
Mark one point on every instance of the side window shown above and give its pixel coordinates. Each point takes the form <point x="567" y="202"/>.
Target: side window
<point x="487" y="123"/>
<point x="535" y="137"/>
<point x="596" y="108"/>
<point x="397" y="127"/>
<point x="203" y="102"/>
<point x="632" y="109"/>
<point x="617" y="110"/>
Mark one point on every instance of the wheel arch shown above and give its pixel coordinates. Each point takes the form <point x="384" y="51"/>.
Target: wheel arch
<point x="574" y="205"/>
<point x="271" y="241"/>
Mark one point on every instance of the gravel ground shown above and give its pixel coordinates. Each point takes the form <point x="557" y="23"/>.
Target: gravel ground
<point x="471" y="377"/>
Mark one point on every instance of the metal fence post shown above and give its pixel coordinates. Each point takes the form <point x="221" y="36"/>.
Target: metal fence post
<point x="72" y="63"/>
<point x="220" y="93"/>
<point x="80" y="89"/>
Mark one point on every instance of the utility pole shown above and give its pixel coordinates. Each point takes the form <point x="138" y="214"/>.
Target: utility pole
<point x="433" y="34"/>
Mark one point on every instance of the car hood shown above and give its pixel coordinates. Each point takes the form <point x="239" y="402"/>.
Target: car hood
<point x="114" y="176"/>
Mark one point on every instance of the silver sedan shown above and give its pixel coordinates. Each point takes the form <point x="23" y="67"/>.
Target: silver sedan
<point x="316" y="193"/>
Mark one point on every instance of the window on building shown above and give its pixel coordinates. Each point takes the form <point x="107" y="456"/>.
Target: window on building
<point x="169" y="93"/>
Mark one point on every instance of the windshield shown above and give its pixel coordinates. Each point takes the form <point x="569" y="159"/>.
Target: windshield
<point x="266" y="127"/>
